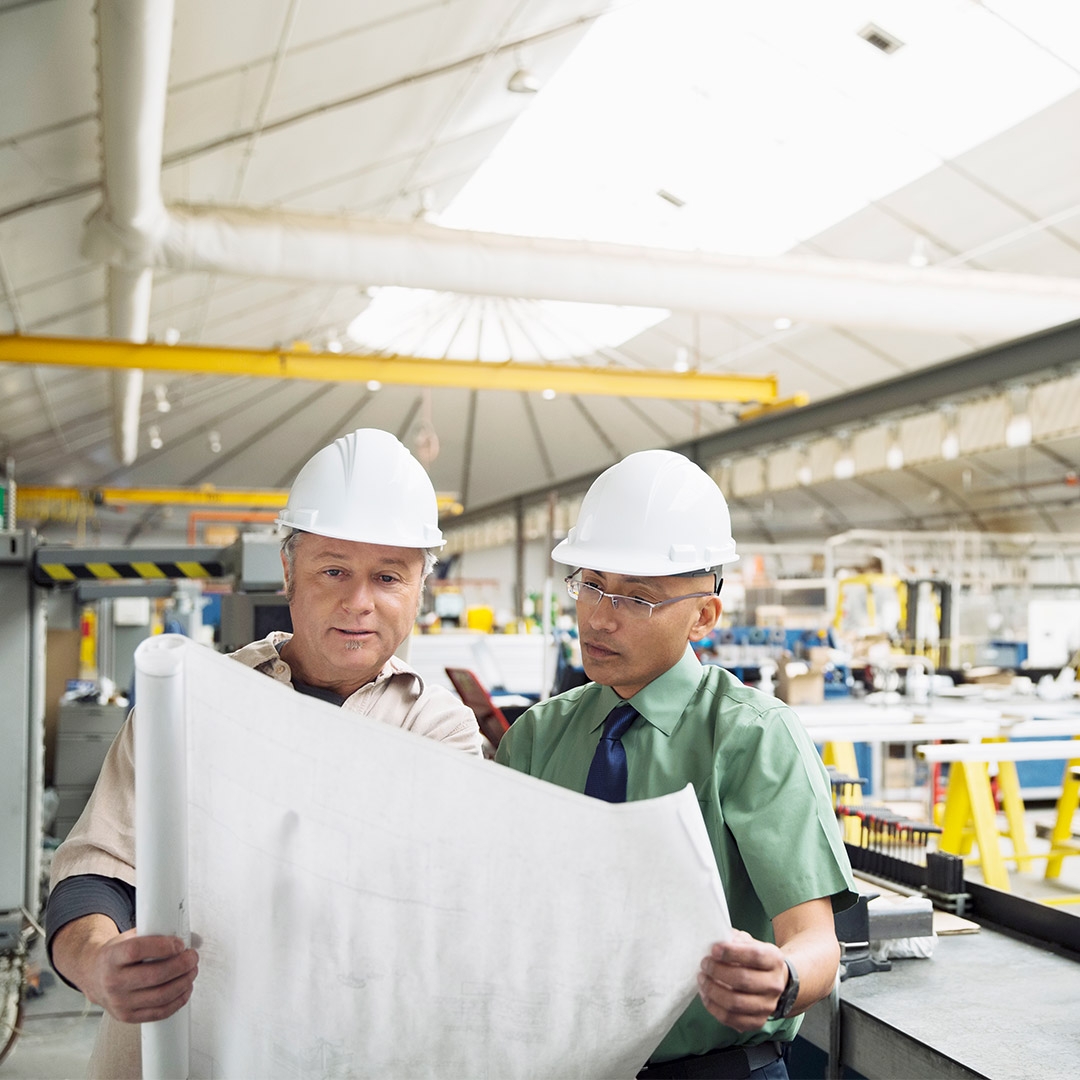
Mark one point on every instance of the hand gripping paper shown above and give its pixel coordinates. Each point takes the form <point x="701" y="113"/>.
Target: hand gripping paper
<point x="372" y="904"/>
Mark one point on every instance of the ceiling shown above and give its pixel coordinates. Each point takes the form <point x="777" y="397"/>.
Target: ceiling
<point x="312" y="151"/>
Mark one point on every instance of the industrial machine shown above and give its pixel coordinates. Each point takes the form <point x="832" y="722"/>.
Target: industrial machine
<point x="28" y="569"/>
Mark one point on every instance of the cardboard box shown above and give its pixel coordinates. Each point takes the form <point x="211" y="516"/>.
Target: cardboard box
<point x="806" y="688"/>
<point x="989" y="676"/>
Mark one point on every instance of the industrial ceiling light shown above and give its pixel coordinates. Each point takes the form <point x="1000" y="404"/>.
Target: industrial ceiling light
<point x="374" y="385"/>
<point x="804" y="474"/>
<point x="1018" y="431"/>
<point x="523" y="81"/>
<point x="844" y="466"/>
<point x="161" y="396"/>
<point x="882" y="40"/>
<point x="682" y="360"/>
<point x="213" y="438"/>
<point x="548" y="395"/>
<point x="782" y="323"/>
<point x="156" y="441"/>
<point x="671" y="197"/>
<point x="894" y="455"/>
<point x="950" y="441"/>
<point x="919" y="257"/>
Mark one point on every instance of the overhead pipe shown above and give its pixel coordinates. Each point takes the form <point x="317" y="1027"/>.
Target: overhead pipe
<point x="134" y="41"/>
<point x="302" y="247"/>
<point x="134" y="233"/>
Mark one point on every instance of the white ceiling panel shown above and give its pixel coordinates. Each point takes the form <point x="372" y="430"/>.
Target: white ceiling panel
<point x="954" y="214"/>
<point x="43" y="245"/>
<point x="216" y="107"/>
<point x="1034" y="164"/>
<point x="346" y="139"/>
<point x="49" y="48"/>
<point x="211" y="37"/>
<point x="72" y="291"/>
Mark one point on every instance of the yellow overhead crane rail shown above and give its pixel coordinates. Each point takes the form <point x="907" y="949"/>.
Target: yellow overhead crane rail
<point x="71" y="504"/>
<point x="298" y="362"/>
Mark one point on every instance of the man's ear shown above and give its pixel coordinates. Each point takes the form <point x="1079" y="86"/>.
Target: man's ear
<point x="708" y="615"/>
<point x="285" y="571"/>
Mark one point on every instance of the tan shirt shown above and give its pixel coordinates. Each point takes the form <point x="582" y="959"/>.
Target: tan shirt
<point x="102" y="841"/>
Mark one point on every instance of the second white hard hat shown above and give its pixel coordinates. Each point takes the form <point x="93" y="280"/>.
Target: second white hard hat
<point x="367" y="487"/>
<point x="653" y="514"/>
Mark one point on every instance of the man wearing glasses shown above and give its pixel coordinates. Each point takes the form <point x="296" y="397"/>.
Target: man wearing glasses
<point x="652" y="537"/>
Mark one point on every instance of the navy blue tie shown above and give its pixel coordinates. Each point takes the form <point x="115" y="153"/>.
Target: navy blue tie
<point x="607" y="773"/>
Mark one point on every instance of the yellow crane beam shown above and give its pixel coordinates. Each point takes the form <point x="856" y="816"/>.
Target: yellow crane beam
<point x="796" y="401"/>
<point x="37" y="502"/>
<point x="297" y="362"/>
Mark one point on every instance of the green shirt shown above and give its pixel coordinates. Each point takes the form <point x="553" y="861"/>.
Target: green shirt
<point x="762" y="788"/>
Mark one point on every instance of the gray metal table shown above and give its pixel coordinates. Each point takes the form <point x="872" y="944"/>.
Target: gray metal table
<point x="985" y="1005"/>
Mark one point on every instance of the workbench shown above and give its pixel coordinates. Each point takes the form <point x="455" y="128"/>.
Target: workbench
<point x="838" y="725"/>
<point x="984" y="1005"/>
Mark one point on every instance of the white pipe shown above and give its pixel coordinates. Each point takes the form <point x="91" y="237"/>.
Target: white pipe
<point x="134" y="230"/>
<point x="129" y="318"/>
<point x="301" y="247"/>
<point x="161" y="830"/>
<point x="134" y="41"/>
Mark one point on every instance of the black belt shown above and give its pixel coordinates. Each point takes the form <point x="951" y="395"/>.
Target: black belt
<point x="734" y="1063"/>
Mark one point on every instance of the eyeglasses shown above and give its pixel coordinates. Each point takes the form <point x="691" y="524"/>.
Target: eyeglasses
<point x="635" y="608"/>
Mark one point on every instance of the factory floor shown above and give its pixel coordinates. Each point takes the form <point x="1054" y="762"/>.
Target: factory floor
<point x="58" y="1030"/>
<point x="59" y="1025"/>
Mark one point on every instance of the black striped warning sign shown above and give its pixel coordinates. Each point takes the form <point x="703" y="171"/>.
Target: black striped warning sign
<point x="50" y="571"/>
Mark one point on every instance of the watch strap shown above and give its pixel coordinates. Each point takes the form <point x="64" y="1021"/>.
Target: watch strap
<point x="786" y="1002"/>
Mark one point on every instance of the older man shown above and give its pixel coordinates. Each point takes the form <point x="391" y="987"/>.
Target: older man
<point x="653" y="534"/>
<point x="363" y="531"/>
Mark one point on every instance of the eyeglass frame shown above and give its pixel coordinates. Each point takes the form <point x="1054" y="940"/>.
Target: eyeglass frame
<point x="634" y="603"/>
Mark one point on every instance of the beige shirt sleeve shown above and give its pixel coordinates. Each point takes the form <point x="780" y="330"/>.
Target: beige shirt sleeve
<point x="398" y="696"/>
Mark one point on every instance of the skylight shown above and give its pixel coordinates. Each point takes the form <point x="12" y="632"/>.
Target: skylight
<point x="419" y="322"/>
<point x="770" y="121"/>
<point x="744" y="129"/>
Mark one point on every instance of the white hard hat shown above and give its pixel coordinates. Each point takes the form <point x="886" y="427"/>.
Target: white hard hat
<point x="365" y="486"/>
<point x="653" y="514"/>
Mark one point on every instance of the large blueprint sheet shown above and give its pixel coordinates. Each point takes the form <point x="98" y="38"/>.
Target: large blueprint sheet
<point x="370" y="903"/>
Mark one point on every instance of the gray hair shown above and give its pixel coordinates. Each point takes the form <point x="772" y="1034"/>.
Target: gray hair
<point x="292" y="539"/>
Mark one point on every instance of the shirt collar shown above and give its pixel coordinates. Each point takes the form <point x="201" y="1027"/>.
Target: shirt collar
<point x="269" y="649"/>
<point x="664" y="700"/>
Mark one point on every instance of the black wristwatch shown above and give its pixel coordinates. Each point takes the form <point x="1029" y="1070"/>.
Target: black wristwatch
<point x="786" y="1002"/>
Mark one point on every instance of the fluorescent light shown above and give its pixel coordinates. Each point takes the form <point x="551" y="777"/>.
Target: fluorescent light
<point x="1018" y="431"/>
<point x="950" y="446"/>
<point x="844" y="465"/>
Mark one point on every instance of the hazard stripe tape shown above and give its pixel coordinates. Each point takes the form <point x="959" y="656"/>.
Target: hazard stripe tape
<point x="114" y="571"/>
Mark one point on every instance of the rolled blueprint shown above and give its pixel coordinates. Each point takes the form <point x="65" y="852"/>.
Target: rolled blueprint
<point x="161" y="864"/>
